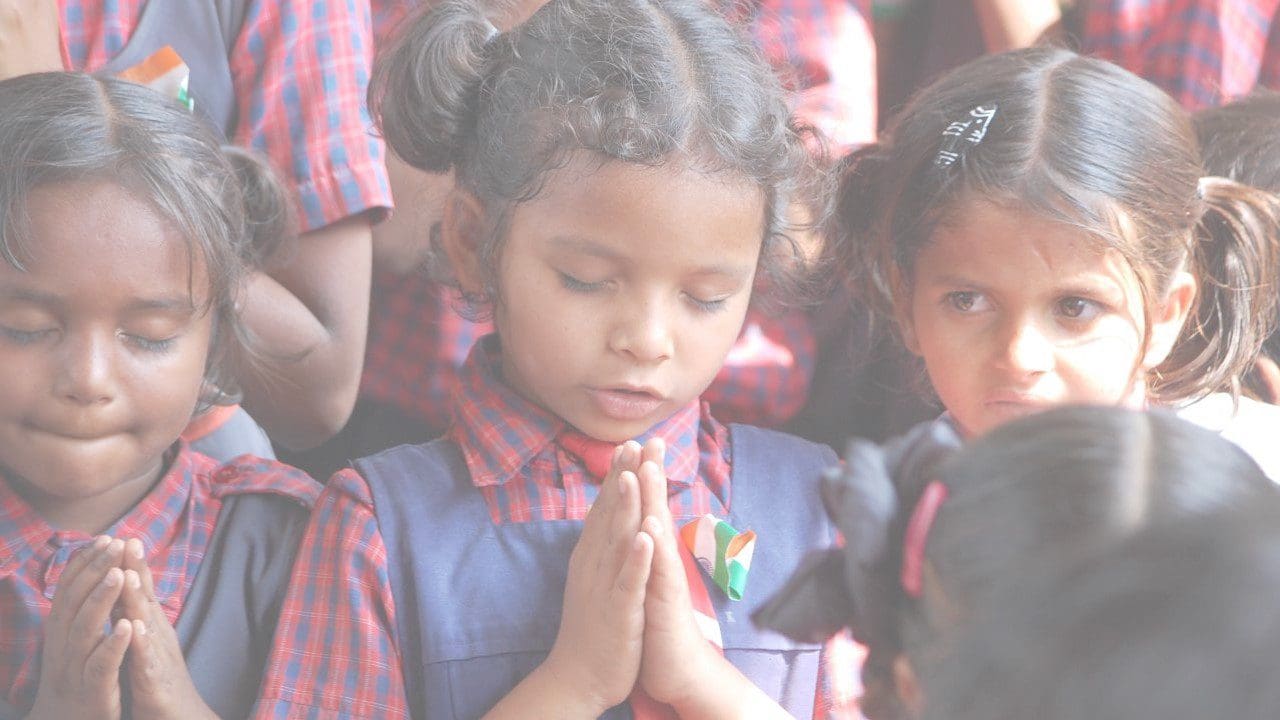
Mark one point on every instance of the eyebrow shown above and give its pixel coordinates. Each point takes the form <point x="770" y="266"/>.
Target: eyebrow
<point x="168" y="303"/>
<point x="574" y="243"/>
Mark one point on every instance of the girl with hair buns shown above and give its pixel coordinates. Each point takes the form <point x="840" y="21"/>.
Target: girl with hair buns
<point x="623" y="173"/>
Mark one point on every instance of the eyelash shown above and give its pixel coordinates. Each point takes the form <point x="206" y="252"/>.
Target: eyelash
<point x="148" y="345"/>
<point x="573" y="284"/>
<point x="707" y="306"/>
<point x="30" y="337"/>
<point x="22" y="337"/>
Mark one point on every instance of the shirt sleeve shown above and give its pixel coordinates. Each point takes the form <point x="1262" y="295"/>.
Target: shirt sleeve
<point x="839" y="679"/>
<point x="766" y="377"/>
<point x="334" y="654"/>
<point x="824" y="49"/>
<point x="301" y="69"/>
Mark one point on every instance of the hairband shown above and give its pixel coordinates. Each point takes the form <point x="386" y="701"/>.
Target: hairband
<point x="961" y="134"/>
<point x="917" y="537"/>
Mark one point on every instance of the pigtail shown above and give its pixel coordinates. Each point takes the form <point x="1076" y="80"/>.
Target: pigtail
<point x="259" y="215"/>
<point x="852" y="585"/>
<point x="1236" y="259"/>
<point x="268" y="218"/>
<point x="423" y="94"/>
<point x="859" y="250"/>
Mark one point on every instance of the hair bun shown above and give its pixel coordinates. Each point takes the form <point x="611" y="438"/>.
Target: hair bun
<point x="839" y="587"/>
<point x="423" y="92"/>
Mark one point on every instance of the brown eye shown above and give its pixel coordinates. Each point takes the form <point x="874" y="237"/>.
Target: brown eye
<point x="962" y="300"/>
<point x="1077" y="308"/>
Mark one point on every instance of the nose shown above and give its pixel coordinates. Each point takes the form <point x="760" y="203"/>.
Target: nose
<point x="643" y="331"/>
<point x="85" y="375"/>
<point x="1025" y="349"/>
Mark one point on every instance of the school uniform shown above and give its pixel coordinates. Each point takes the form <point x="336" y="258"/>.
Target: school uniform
<point x="1252" y="425"/>
<point x="432" y="577"/>
<point x="219" y="541"/>
<point x="1202" y="52"/>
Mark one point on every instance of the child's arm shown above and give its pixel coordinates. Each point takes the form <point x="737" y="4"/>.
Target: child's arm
<point x="1011" y="24"/>
<point x="80" y="667"/>
<point x="29" y="38"/>
<point x="160" y="685"/>
<point x="596" y="657"/>
<point x="310" y="318"/>
<point x="680" y="668"/>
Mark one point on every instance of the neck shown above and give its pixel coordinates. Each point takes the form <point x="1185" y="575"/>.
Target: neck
<point x="95" y="514"/>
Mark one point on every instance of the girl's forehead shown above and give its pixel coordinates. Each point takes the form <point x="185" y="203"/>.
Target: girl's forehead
<point x="97" y="234"/>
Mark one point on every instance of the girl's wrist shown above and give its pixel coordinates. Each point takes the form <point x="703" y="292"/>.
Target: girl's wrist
<point x="564" y="679"/>
<point x="708" y="682"/>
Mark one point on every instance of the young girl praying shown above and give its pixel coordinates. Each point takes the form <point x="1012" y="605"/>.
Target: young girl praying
<point x="623" y="171"/>
<point x="125" y="234"/>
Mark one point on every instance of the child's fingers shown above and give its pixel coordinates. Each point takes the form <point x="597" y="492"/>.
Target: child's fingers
<point x="655" y="451"/>
<point x="134" y="604"/>
<point x="633" y="576"/>
<point x="102" y="667"/>
<point x="144" y="660"/>
<point x="135" y="555"/>
<point x="90" y="569"/>
<point x="599" y="520"/>
<point x="653" y="492"/>
<point x="626" y="517"/>
<point x="86" y="628"/>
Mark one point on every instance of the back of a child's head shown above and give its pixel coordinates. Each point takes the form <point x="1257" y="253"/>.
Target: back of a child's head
<point x="1176" y="623"/>
<point x="1034" y="493"/>
<point x="71" y="127"/>
<point x="1241" y="141"/>
<point x="652" y="83"/>
<point x="1086" y="144"/>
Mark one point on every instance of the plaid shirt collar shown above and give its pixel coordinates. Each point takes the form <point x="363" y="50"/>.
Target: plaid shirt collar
<point x="154" y="520"/>
<point x="500" y="432"/>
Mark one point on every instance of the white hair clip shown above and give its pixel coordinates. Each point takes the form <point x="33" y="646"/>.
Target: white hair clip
<point x="959" y="136"/>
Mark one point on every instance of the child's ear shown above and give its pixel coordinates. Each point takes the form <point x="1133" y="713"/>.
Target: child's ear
<point x="902" y="310"/>
<point x="1169" y="316"/>
<point x="463" y="228"/>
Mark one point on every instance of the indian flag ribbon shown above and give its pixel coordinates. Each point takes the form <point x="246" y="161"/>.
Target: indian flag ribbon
<point x="722" y="552"/>
<point x="165" y="72"/>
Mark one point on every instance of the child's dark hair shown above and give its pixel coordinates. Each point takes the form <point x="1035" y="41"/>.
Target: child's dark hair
<point x="1032" y="493"/>
<point x="1086" y="143"/>
<point x="637" y="81"/>
<point x="1177" y="622"/>
<point x="227" y="206"/>
<point x="1241" y="141"/>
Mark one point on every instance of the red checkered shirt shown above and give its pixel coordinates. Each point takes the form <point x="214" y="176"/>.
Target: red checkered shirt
<point x="1203" y="52"/>
<point x="175" y="522"/>
<point x="335" y="651"/>
<point x="417" y="341"/>
<point x="300" y="69"/>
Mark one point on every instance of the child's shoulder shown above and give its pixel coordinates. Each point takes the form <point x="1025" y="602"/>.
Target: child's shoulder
<point x="252" y="475"/>
<point x="1250" y="424"/>
<point x="757" y="444"/>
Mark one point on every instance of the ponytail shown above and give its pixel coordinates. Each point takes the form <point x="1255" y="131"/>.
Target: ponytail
<point x="1236" y="260"/>
<point x="861" y="253"/>
<point x="424" y="91"/>
<point x="268" y="219"/>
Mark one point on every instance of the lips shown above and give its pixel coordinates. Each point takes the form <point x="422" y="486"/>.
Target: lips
<point x="626" y="403"/>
